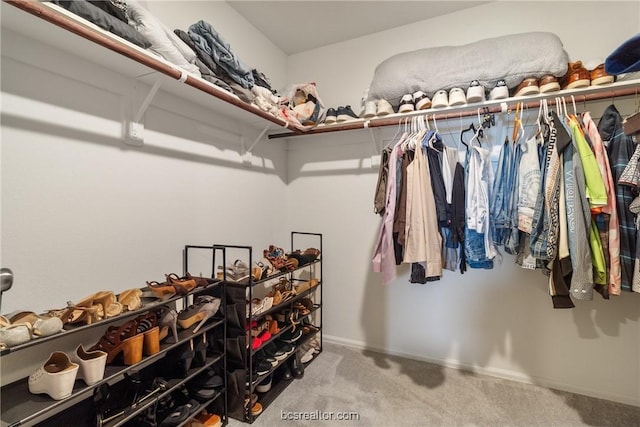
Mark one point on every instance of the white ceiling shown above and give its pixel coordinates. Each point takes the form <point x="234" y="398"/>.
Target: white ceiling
<point x="296" y="26"/>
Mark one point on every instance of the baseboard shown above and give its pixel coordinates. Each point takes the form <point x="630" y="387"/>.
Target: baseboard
<point x="494" y="372"/>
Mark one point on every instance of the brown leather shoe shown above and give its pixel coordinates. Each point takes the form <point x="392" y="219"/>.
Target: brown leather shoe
<point x="599" y="76"/>
<point x="528" y="86"/>
<point x="577" y="76"/>
<point x="549" y="83"/>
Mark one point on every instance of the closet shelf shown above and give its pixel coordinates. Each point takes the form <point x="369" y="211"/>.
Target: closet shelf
<point x="80" y="37"/>
<point x="592" y="93"/>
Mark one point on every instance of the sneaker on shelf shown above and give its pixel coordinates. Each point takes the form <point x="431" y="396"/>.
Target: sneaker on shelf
<point x="264" y="385"/>
<point x="577" y="76"/>
<point x="548" y="83"/>
<point x="345" y="114"/>
<point x="475" y="93"/>
<point x="421" y="100"/>
<point x="406" y="104"/>
<point x="599" y="76"/>
<point x="369" y="109"/>
<point x="384" y="107"/>
<point x="457" y="97"/>
<point x="500" y="91"/>
<point x="440" y="99"/>
<point x="331" y="116"/>
<point x="528" y="86"/>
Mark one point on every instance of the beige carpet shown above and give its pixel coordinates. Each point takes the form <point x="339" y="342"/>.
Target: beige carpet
<point x="391" y="391"/>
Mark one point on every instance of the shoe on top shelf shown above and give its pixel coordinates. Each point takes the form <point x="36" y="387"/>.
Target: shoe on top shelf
<point x="421" y="100"/>
<point x="440" y="99"/>
<point x="475" y="92"/>
<point x="384" y="107"/>
<point x="576" y="77"/>
<point x="548" y="83"/>
<point x="369" y="109"/>
<point x="599" y="76"/>
<point x="346" y="113"/>
<point x="499" y="91"/>
<point x="331" y="116"/>
<point x="406" y="104"/>
<point x="528" y="86"/>
<point x="457" y="97"/>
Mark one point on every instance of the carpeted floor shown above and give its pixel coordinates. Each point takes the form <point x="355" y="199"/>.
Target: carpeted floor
<point x="381" y="390"/>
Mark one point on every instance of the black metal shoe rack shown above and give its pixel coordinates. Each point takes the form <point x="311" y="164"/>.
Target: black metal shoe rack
<point x="242" y="379"/>
<point x="21" y="408"/>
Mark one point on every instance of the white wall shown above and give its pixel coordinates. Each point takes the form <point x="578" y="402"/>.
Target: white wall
<point x="82" y="212"/>
<point x="501" y="321"/>
<point x="588" y="30"/>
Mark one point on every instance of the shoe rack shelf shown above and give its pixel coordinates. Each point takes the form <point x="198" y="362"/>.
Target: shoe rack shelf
<point x="21" y="408"/>
<point x="252" y="377"/>
<point x="148" y="304"/>
<point x="173" y="385"/>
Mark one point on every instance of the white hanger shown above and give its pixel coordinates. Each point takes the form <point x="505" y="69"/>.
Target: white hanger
<point x="435" y="124"/>
<point x="573" y="101"/>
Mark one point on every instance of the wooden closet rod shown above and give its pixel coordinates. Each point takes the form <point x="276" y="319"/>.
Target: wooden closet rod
<point x="469" y="110"/>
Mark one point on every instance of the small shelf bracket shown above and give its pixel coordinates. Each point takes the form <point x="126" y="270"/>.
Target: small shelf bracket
<point x="133" y="128"/>
<point x="246" y="152"/>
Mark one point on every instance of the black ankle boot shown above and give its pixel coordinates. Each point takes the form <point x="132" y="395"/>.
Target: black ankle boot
<point x="296" y="366"/>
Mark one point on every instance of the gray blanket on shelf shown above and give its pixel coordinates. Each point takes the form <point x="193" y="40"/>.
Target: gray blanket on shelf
<point x="510" y="58"/>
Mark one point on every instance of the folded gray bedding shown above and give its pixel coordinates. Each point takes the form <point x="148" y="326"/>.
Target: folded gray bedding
<point x="510" y="58"/>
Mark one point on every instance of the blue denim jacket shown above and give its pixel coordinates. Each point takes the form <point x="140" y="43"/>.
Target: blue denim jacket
<point x="208" y="39"/>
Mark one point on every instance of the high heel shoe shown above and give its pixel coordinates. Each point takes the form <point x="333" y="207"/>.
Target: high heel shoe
<point x="148" y="327"/>
<point x="204" y="308"/>
<point x="91" y="363"/>
<point x="75" y="313"/>
<point x="168" y="318"/>
<point x="123" y="339"/>
<point x="161" y="290"/>
<point x="182" y="286"/>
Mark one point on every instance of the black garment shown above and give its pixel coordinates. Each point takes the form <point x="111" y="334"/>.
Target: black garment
<point x="380" y="196"/>
<point x="458" y="214"/>
<point x="437" y="184"/>
<point x="103" y="20"/>
<point x="620" y="147"/>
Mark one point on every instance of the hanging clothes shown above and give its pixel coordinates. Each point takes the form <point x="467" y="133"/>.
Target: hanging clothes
<point x="620" y="148"/>
<point x="479" y="247"/>
<point x="422" y="236"/>
<point x="610" y="209"/>
<point x="383" y="260"/>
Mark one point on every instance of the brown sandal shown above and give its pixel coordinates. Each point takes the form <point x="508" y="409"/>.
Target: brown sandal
<point x="182" y="286"/>
<point x="123" y="339"/>
<point x="161" y="290"/>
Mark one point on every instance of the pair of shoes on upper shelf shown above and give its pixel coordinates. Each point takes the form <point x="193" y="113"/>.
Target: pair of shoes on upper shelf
<point x="533" y="86"/>
<point x="132" y="339"/>
<point x="414" y="102"/>
<point x="20" y="327"/>
<point x="203" y="309"/>
<point x="101" y="305"/>
<point x="175" y="285"/>
<point x="57" y="375"/>
<point x="339" y="115"/>
<point x="578" y="76"/>
<point x="377" y="108"/>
